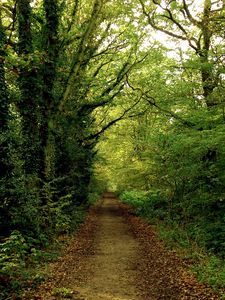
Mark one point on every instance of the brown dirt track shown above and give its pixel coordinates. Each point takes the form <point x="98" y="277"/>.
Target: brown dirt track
<point x="116" y="256"/>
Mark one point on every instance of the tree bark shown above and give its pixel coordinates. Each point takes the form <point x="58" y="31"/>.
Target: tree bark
<point x="28" y="83"/>
<point x="51" y="49"/>
<point x="4" y="110"/>
<point x="208" y="82"/>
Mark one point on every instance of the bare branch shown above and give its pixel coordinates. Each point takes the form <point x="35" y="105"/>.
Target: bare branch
<point x="151" y="22"/>
<point x="73" y="15"/>
<point x="86" y="108"/>
<point x="191" y="40"/>
<point x="171" y="18"/>
<point x="96" y="72"/>
<point x="189" y="15"/>
<point x="13" y="11"/>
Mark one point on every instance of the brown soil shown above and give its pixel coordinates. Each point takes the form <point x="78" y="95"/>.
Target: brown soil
<point x="113" y="263"/>
<point x="116" y="256"/>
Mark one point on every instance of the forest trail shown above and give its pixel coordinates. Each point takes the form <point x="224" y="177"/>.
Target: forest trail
<point x="117" y="256"/>
<point x="113" y="262"/>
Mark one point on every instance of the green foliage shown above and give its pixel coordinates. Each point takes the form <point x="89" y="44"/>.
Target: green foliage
<point x="174" y="235"/>
<point x="193" y="238"/>
<point x="138" y="200"/>
<point x="97" y="186"/>
<point x="12" y="262"/>
<point x="13" y="252"/>
<point x="69" y="72"/>
<point x="27" y="216"/>
<point x="212" y="271"/>
<point x="22" y="257"/>
<point x="147" y="204"/>
<point x="63" y="292"/>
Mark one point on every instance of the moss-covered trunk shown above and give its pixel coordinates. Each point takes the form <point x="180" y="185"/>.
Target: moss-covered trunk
<point x="4" y="109"/>
<point x="50" y="38"/>
<point x="29" y="90"/>
<point x="5" y="164"/>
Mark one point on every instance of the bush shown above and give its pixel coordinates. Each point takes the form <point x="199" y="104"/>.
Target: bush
<point x="150" y="205"/>
<point x="193" y="230"/>
<point x="27" y="248"/>
<point x="211" y="271"/>
<point x="12" y="254"/>
<point x="134" y="198"/>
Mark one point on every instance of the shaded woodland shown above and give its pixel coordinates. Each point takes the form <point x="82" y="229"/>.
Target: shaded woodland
<point x="109" y="95"/>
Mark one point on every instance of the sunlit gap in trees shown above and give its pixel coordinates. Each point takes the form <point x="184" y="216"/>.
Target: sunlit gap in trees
<point x="175" y="46"/>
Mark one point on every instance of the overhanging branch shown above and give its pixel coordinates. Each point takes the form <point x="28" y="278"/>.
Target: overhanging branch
<point x="152" y="101"/>
<point x="104" y="128"/>
<point x="184" y="36"/>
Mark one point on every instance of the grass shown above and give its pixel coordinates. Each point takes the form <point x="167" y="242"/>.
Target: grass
<point x="208" y="268"/>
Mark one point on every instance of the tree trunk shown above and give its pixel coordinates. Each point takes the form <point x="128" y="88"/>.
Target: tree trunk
<point x="208" y="83"/>
<point x="28" y="83"/>
<point x="5" y="163"/>
<point x="4" y="111"/>
<point x="49" y="73"/>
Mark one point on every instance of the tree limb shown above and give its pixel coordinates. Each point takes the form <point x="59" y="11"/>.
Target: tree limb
<point x="86" y="108"/>
<point x="151" y="101"/>
<point x="189" y="15"/>
<point x="78" y="59"/>
<point x="184" y="37"/>
<point x="104" y="128"/>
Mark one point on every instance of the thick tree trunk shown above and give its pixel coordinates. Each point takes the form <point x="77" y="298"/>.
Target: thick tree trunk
<point x="50" y="46"/>
<point x="5" y="163"/>
<point x="28" y="83"/>
<point x="4" y="111"/>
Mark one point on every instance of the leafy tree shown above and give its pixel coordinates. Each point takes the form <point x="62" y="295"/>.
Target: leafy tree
<point x="198" y="26"/>
<point x="51" y="50"/>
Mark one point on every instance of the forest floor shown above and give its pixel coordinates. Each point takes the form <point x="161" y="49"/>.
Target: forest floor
<point x="117" y="256"/>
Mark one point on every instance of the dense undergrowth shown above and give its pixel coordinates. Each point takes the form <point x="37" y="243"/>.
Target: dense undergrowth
<point x="24" y="258"/>
<point x="198" y="239"/>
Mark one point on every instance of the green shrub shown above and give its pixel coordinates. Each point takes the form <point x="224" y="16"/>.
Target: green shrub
<point x="12" y="254"/>
<point x="150" y="205"/>
<point x="211" y="271"/>
<point x="134" y="198"/>
<point x="193" y="227"/>
<point x="23" y="252"/>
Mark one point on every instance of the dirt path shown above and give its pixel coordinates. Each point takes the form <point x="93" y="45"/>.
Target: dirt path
<point x="113" y="263"/>
<point x="117" y="256"/>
